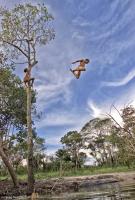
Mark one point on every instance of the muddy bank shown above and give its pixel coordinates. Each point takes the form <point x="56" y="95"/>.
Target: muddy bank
<point x="67" y="184"/>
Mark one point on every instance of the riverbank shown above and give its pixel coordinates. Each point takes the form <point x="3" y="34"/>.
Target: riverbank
<point x="122" y="177"/>
<point x="66" y="184"/>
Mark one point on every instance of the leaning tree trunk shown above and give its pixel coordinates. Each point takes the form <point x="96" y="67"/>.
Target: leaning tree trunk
<point x="31" y="179"/>
<point x="9" y="167"/>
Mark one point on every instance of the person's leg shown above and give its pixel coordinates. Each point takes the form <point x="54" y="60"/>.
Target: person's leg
<point x="25" y="83"/>
<point x="76" y="69"/>
<point x="31" y="81"/>
<point x="80" y="68"/>
<point x="77" y="74"/>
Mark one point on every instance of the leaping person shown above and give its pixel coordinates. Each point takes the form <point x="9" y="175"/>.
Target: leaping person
<point x="77" y="71"/>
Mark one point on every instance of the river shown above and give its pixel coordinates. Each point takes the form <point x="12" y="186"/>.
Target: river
<point x="102" y="192"/>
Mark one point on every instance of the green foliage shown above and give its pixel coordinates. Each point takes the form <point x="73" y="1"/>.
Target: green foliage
<point x="13" y="118"/>
<point x="22" y="24"/>
<point x="63" y="154"/>
<point x="12" y="100"/>
<point x="23" y="29"/>
<point x="40" y="175"/>
<point x="109" y="142"/>
<point x="71" y="139"/>
<point x="73" y="144"/>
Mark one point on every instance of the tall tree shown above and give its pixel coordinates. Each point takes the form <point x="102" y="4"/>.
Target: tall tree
<point x="64" y="158"/>
<point x="74" y="143"/>
<point x="96" y="136"/>
<point x="126" y="135"/>
<point x="23" y="29"/>
<point x="128" y="131"/>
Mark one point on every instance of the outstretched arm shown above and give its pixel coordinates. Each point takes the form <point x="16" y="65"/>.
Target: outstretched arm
<point x="76" y="61"/>
<point x="80" y="69"/>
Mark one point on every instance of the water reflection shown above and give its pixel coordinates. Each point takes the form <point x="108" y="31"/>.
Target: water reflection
<point x="100" y="192"/>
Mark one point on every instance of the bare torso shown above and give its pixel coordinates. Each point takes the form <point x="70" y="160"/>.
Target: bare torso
<point x="82" y="63"/>
<point x="27" y="77"/>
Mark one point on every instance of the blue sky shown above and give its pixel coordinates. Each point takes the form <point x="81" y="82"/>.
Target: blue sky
<point x="104" y="32"/>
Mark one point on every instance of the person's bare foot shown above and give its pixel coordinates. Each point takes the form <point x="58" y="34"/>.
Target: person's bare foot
<point x="74" y="74"/>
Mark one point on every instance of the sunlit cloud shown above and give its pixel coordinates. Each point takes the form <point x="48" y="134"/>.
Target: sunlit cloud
<point x="105" y="111"/>
<point x="94" y="110"/>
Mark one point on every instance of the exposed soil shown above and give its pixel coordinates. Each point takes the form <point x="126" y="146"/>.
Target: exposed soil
<point x="66" y="184"/>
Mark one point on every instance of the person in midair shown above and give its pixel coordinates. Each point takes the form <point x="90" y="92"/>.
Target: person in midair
<point x="28" y="81"/>
<point x="77" y="71"/>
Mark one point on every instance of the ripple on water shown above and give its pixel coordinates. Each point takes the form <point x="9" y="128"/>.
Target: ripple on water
<point x="101" y="192"/>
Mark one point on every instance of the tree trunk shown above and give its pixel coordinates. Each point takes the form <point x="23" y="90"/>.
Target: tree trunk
<point x="76" y="161"/>
<point x="31" y="179"/>
<point x="61" y="168"/>
<point x="105" y="154"/>
<point x="9" y="167"/>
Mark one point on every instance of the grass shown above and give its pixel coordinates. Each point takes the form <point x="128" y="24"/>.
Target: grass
<point x="3" y="177"/>
<point x="97" y="170"/>
<point x="82" y="172"/>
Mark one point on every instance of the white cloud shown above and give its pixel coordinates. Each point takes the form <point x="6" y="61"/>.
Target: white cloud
<point x="66" y="121"/>
<point x="122" y="81"/>
<point x="96" y="112"/>
<point x="56" y="90"/>
<point x="105" y="109"/>
<point x="54" y="140"/>
<point x="109" y="19"/>
<point x="78" y="36"/>
<point x="80" y="21"/>
<point x="59" y="119"/>
<point x="72" y="119"/>
<point x="112" y="106"/>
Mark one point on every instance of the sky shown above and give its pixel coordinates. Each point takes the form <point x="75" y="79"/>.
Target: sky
<point x="104" y="32"/>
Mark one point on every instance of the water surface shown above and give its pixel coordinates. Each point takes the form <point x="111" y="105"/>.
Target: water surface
<point x="102" y="192"/>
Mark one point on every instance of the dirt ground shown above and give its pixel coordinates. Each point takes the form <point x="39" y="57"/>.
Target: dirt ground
<point x="122" y="177"/>
<point x="65" y="184"/>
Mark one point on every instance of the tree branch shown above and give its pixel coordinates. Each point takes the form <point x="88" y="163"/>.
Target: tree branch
<point x="20" y="63"/>
<point x="16" y="48"/>
<point x="120" y="125"/>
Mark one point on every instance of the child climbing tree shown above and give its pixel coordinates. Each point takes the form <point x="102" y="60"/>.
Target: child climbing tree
<point x="23" y="29"/>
